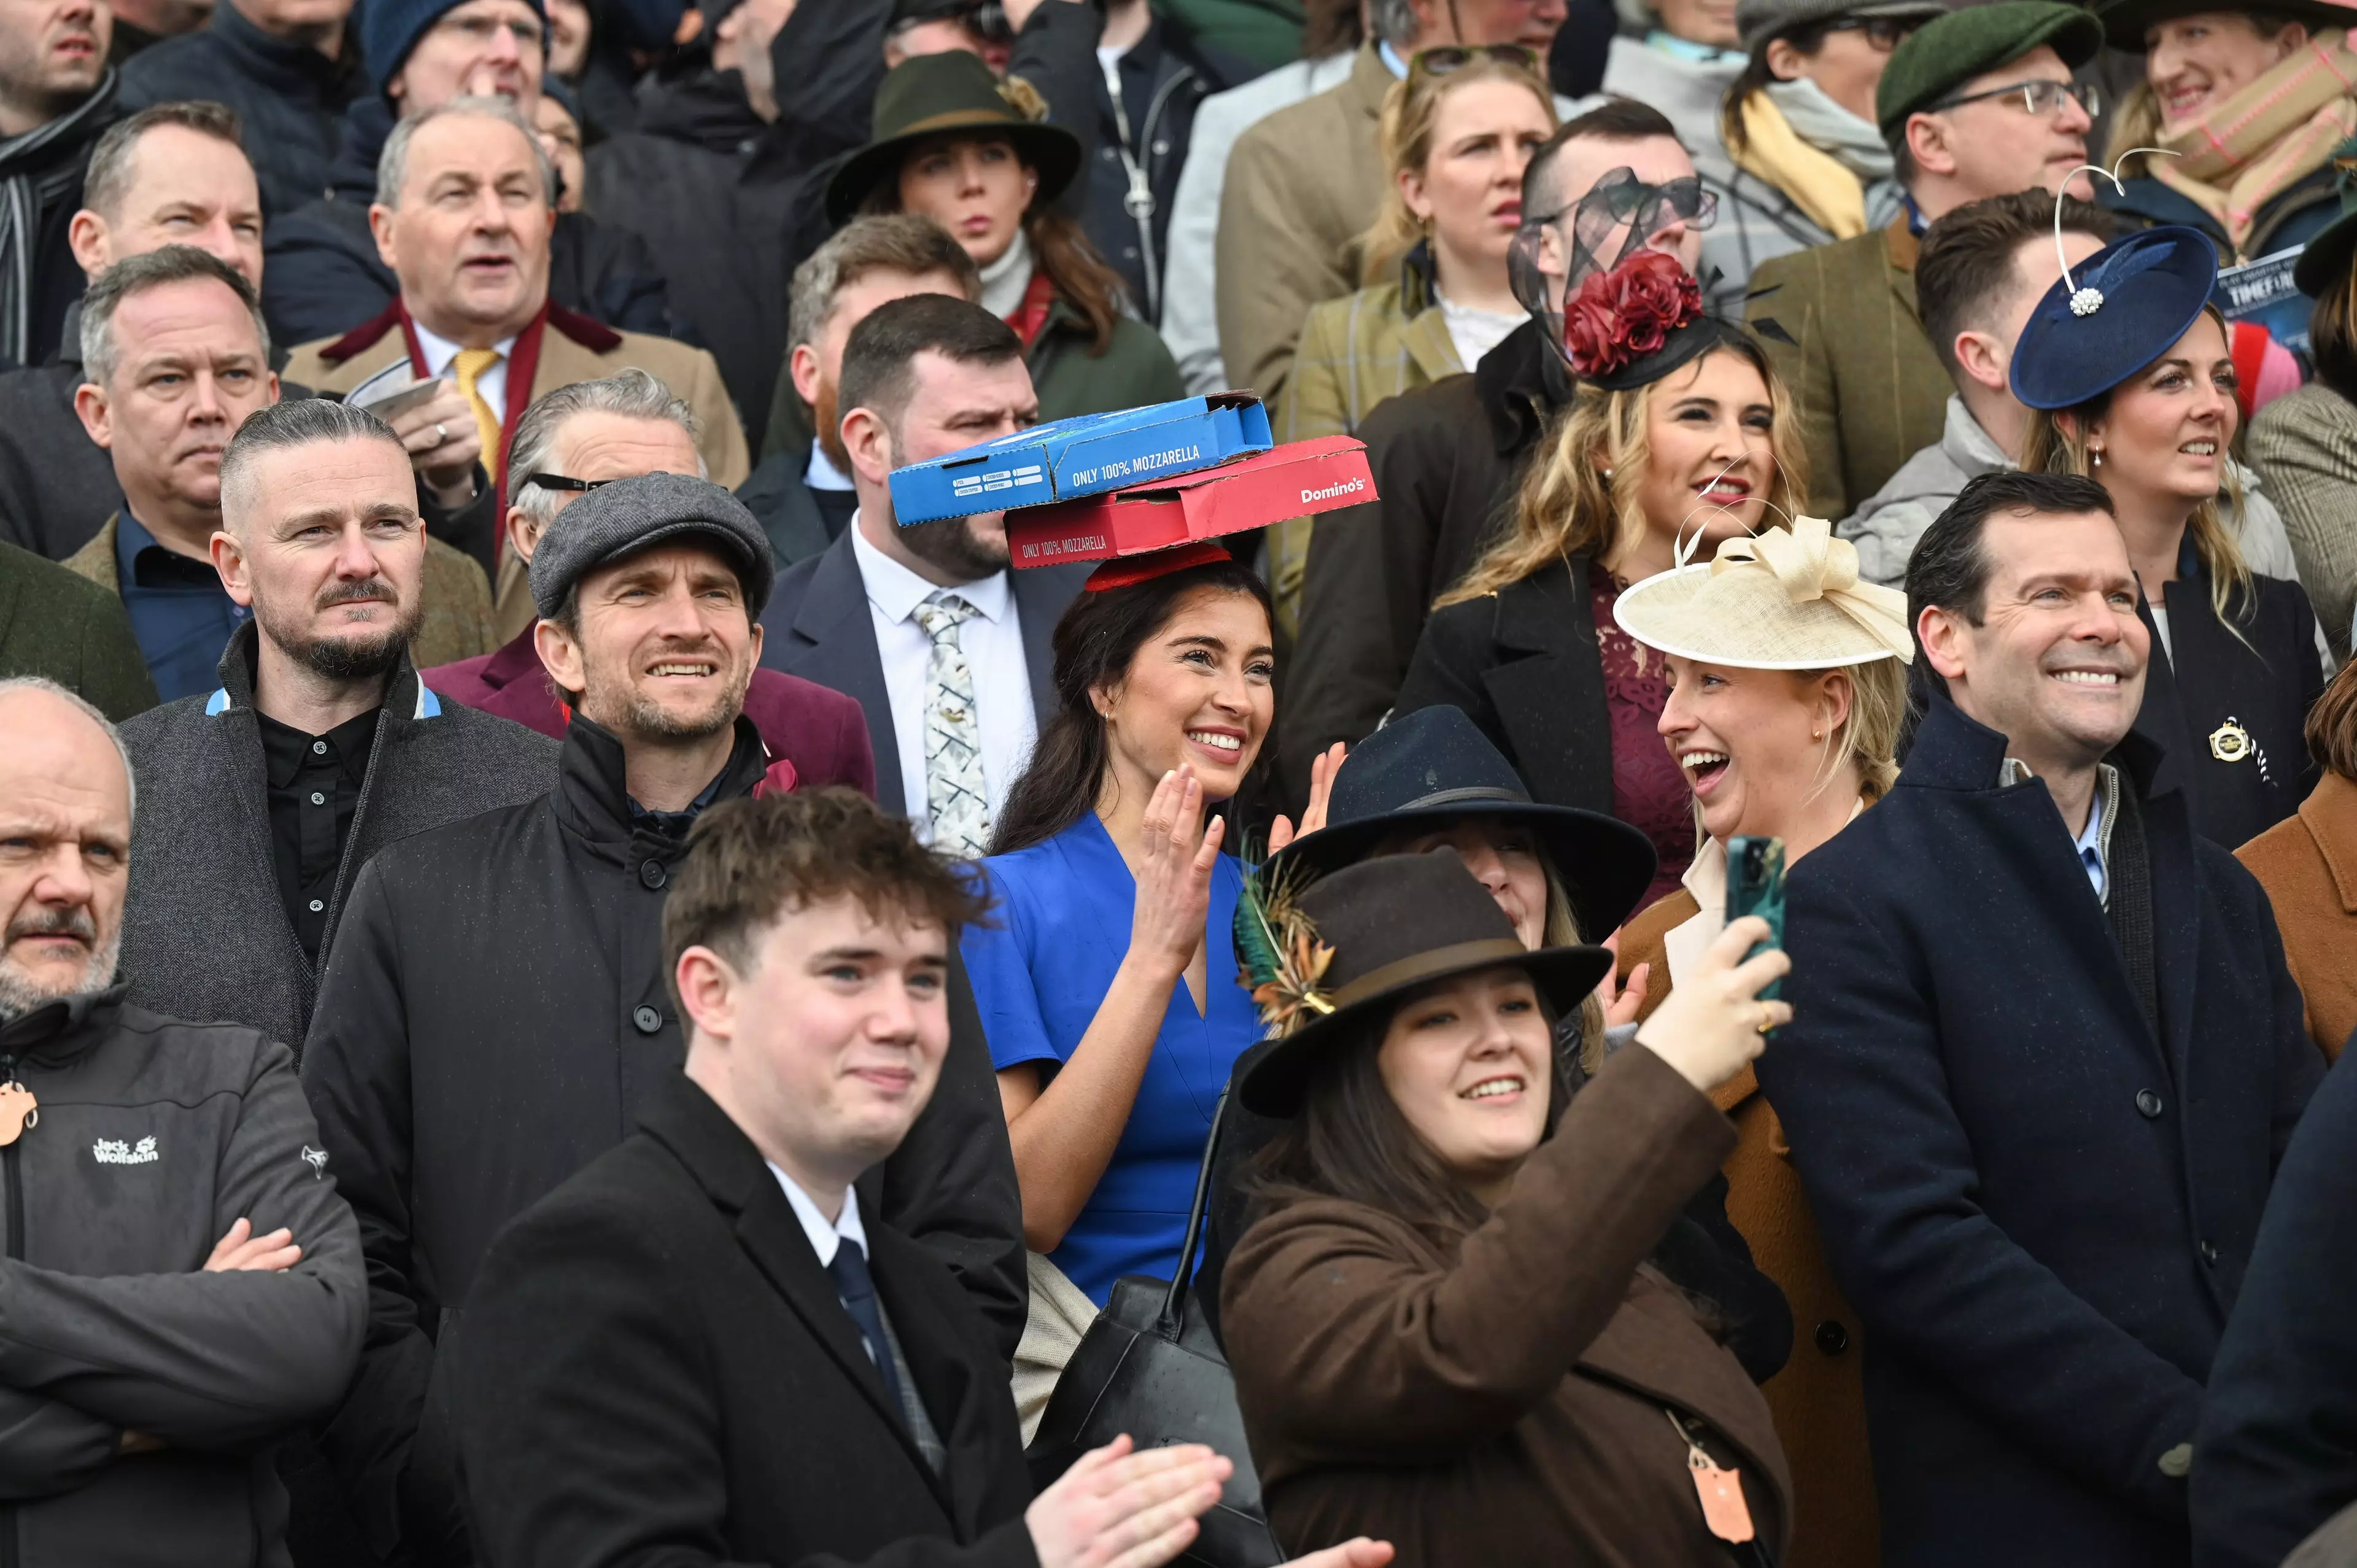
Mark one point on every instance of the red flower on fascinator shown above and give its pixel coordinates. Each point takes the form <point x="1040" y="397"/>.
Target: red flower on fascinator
<point x="1618" y="316"/>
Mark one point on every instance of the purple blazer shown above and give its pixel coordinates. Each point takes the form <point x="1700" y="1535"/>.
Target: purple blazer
<point x="823" y="732"/>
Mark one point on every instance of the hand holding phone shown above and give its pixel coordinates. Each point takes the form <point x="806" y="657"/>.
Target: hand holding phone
<point x="1755" y="886"/>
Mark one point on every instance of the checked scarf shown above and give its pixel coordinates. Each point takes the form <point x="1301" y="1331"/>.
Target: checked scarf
<point x="37" y="170"/>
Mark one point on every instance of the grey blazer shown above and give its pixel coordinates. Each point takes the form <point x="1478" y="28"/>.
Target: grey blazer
<point x="2304" y="445"/>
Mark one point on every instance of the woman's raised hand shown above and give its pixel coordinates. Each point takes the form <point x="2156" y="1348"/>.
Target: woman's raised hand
<point x="1174" y="874"/>
<point x="1714" y="1023"/>
<point x="1322" y="768"/>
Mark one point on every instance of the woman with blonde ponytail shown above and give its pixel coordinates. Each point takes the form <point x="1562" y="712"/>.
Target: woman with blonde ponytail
<point x="2129" y="372"/>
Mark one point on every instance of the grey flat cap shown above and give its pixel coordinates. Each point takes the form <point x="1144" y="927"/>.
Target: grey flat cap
<point x="629" y="515"/>
<point x="1759" y="20"/>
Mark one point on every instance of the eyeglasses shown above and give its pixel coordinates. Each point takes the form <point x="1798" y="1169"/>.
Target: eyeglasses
<point x="2043" y="99"/>
<point x="1457" y="57"/>
<point x="559" y="482"/>
<point x="1883" y="33"/>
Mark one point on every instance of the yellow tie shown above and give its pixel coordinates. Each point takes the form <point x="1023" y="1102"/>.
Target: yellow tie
<point x="470" y="364"/>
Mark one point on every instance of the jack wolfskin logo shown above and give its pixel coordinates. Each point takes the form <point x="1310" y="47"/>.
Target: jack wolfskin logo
<point x="316" y="1159"/>
<point x="116" y="1152"/>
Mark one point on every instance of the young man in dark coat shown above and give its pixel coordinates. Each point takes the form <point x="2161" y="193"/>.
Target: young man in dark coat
<point x="184" y="1285"/>
<point x="326" y="275"/>
<point x="2045" y="1056"/>
<point x="57" y="93"/>
<point x="1447" y="459"/>
<point x="260" y="801"/>
<point x="497" y="1014"/>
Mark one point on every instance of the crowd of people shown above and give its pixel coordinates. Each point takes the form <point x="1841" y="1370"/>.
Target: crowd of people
<point x="1747" y="961"/>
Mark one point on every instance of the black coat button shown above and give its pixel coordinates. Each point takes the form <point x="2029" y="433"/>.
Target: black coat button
<point x="2209" y="1254"/>
<point x="650" y="872"/>
<point x="1832" y="1338"/>
<point x="648" y="1020"/>
<point x="2148" y="1102"/>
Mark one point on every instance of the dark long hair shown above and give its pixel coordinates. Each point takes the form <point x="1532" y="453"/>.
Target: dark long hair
<point x="1095" y="641"/>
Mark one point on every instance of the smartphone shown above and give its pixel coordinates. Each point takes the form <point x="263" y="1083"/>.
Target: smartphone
<point x="1755" y="886"/>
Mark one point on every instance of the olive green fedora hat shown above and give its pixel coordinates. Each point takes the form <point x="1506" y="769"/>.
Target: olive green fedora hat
<point x="924" y="96"/>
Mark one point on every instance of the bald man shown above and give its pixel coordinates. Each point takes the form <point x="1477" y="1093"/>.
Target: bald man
<point x="264" y="797"/>
<point x="180" y="1276"/>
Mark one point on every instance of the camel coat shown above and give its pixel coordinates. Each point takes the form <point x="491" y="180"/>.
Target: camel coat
<point x="1819" y="1399"/>
<point x="2308" y="863"/>
<point x="1507" y="1399"/>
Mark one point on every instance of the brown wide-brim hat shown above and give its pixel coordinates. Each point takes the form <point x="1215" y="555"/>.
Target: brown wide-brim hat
<point x="1370" y="933"/>
<point x="928" y="94"/>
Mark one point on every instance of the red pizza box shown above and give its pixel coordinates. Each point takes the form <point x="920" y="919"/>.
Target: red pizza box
<point x="1297" y="479"/>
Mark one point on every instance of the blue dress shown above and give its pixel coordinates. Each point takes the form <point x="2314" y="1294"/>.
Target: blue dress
<point x="1041" y="970"/>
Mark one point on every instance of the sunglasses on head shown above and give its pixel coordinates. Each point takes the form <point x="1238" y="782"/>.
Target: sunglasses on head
<point x="1457" y="57"/>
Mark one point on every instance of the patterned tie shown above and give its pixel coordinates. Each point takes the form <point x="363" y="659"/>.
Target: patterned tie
<point x="856" y="1288"/>
<point x="956" y="799"/>
<point x="470" y="364"/>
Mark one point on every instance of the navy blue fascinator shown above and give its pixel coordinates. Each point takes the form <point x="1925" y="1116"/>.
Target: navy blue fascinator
<point x="2117" y="314"/>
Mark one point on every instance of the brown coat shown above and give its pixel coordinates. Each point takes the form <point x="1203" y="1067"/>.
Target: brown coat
<point x="1819" y="1399"/>
<point x="2308" y="863"/>
<point x="457" y="619"/>
<point x="1505" y="1402"/>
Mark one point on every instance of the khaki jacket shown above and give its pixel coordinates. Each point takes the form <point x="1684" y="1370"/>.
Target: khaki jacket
<point x="1355" y="352"/>
<point x="457" y="619"/>
<point x="1819" y="1399"/>
<point x="1302" y="186"/>
<point x="1506" y="1399"/>
<point x="2308" y="863"/>
<point x="2303" y="444"/>
<point x="1868" y="388"/>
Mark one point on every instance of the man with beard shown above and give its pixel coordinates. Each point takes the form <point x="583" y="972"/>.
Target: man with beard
<point x="926" y="626"/>
<point x="56" y="94"/>
<point x="317" y="746"/>
<point x="183" y="1284"/>
<point x="175" y="359"/>
<point x="802" y="491"/>
<point x="496" y="1014"/>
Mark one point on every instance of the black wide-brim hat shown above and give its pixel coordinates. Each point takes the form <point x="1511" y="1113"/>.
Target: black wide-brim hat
<point x="1395" y="924"/>
<point x="2126" y="21"/>
<point x="2120" y="310"/>
<point x="1427" y="769"/>
<point x="928" y="94"/>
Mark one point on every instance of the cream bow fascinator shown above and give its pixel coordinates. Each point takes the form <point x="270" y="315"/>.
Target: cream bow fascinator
<point x="1782" y="599"/>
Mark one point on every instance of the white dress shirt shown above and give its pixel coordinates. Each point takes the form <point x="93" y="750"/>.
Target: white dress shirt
<point x="821" y="474"/>
<point x="824" y="1238"/>
<point x="992" y="643"/>
<point x="493" y="383"/>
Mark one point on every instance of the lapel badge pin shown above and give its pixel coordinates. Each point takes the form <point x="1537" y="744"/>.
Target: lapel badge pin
<point x="2229" y="742"/>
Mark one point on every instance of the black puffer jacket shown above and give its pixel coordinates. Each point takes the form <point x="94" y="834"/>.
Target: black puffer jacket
<point x="323" y="276"/>
<point x="153" y="1138"/>
<point x="492" y="1018"/>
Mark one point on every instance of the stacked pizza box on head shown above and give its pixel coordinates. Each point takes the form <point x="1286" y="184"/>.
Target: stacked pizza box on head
<point x="1105" y="486"/>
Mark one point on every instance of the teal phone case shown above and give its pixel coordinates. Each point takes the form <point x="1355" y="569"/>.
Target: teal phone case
<point x="1755" y="886"/>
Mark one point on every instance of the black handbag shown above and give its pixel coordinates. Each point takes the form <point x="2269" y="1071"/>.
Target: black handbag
<point x="1149" y="1367"/>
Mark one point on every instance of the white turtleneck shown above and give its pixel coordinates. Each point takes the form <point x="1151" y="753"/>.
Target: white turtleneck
<point x="1003" y="281"/>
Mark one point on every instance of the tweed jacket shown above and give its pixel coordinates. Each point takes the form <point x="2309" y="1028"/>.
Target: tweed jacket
<point x="205" y="935"/>
<point x="572" y="348"/>
<point x="2308" y="863"/>
<point x="457" y="596"/>
<point x="1818" y="1400"/>
<point x="1870" y="390"/>
<point x="54" y="624"/>
<point x="2305" y="444"/>
<point x="1303" y="186"/>
<point x="1355" y="352"/>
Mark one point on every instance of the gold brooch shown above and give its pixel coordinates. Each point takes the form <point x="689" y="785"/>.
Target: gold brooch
<point x="2229" y="742"/>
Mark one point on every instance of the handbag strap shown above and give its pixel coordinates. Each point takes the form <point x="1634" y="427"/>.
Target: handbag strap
<point x="1173" y="1321"/>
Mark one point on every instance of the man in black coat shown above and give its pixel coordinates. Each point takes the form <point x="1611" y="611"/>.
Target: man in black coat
<point x="1447" y="459"/>
<point x="325" y="276"/>
<point x="2045" y="1057"/>
<point x="707" y="1345"/>
<point x="57" y="93"/>
<point x="496" y="1013"/>
<point x="288" y="69"/>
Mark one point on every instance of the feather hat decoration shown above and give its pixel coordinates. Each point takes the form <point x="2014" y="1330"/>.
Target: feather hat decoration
<point x="1278" y="956"/>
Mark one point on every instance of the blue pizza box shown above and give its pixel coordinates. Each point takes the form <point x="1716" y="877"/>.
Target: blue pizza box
<point x="1086" y="455"/>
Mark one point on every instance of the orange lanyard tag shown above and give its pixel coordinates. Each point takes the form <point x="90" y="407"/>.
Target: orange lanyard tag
<point x="1724" y="1509"/>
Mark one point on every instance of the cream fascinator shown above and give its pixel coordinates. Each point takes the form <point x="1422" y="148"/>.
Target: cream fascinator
<point x="1782" y="599"/>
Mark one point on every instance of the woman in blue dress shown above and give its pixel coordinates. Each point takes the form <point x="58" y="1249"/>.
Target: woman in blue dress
<point x="1103" y="976"/>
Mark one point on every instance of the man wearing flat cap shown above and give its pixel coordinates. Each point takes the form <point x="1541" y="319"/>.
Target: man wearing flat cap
<point x="496" y="1013"/>
<point x="1978" y="104"/>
